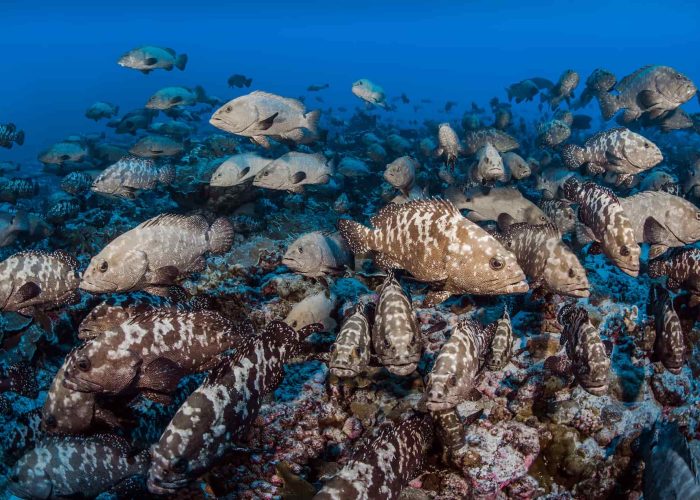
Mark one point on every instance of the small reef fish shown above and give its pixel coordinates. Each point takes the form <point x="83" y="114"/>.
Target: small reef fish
<point x="477" y="139"/>
<point x="484" y="204"/>
<point x="449" y="148"/>
<point x="501" y="349"/>
<point x="369" y="92"/>
<point x="401" y="173"/>
<point x="238" y="169"/>
<point x="669" y="345"/>
<point x="9" y="135"/>
<point x="488" y="168"/>
<point x="101" y="110"/>
<point x="682" y="269"/>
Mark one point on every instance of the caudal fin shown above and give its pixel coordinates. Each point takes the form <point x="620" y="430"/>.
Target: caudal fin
<point x="571" y="189"/>
<point x="200" y="93"/>
<point x="312" y="120"/>
<point x="220" y="236"/>
<point x="608" y="104"/>
<point x="181" y="62"/>
<point x="357" y="235"/>
<point x="19" y="137"/>
<point x="573" y="155"/>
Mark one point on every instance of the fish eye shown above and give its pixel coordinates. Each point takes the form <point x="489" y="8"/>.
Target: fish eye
<point x="301" y="250"/>
<point x="179" y="465"/>
<point x="51" y="422"/>
<point x="572" y="273"/>
<point x="229" y="109"/>
<point x="387" y="344"/>
<point x="646" y="145"/>
<point x="697" y="215"/>
<point x="83" y="364"/>
<point x="496" y="263"/>
<point x="543" y="218"/>
<point x="624" y="251"/>
<point x="103" y="266"/>
<point x="266" y="173"/>
<point x="509" y="244"/>
<point x="453" y="380"/>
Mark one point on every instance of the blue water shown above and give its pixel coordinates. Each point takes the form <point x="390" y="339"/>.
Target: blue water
<point x="60" y="57"/>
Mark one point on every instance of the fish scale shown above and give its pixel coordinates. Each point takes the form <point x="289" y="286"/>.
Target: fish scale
<point x="223" y="408"/>
<point x="585" y="349"/>
<point x="457" y="364"/>
<point x="383" y="466"/>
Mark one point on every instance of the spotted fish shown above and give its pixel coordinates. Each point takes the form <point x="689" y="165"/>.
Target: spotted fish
<point x="669" y="346"/>
<point x="34" y="281"/>
<point x="618" y="150"/>
<point x="682" y="269"/>
<point x="449" y="147"/>
<point x="131" y="174"/>
<point x="457" y="365"/>
<point x="351" y="351"/>
<point x="544" y="257"/>
<point x="60" y="467"/>
<point x="502" y="344"/>
<point x="431" y="240"/>
<point x="67" y="411"/>
<point x="585" y="349"/>
<point x="151" y="352"/>
<point x="561" y="213"/>
<point x="477" y="139"/>
<point x="662" y="219"/>
<point x="488" y="168"/>
<point x="606" y="223"/>
<point x="395" y="334"/>
<point x="382" y="467"/>
<point x="223" y="408"/>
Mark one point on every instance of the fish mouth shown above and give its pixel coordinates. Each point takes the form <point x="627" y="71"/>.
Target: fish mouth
<point x="101" y="286"/>
<point x="343" y="372"/>
<point x="401" y="368"/>
<point x="630" y="270"/>
<point x="596" y="390"/>
<point x="159" y="486"/>
<point x="438" y="405"/>
<point x="580" y="293"/>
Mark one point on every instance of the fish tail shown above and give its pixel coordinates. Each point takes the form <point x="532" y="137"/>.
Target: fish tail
<point x="357" y="235"/>
<point x="510" y="93"/>
<point x="181" y="62"/>
<point x="573" y="155"/>
<point x="220" y="236"/>
<point x="608" y="104"/>
<point x="200" y="93"/>
<point x="656" y="269"/>
<point x="166" y="175"/>
<point x="248" y="82"/>
<point x="312" y="120"/>
<point x="571" y="188"/>
<point x="19" y="137"/>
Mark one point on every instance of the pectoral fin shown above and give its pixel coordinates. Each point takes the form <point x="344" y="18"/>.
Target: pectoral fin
<point x="267" y="122"/>
<point x="27" y="292"/>
<point x="654" y="232"/>
<point x="161" y="375"/>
